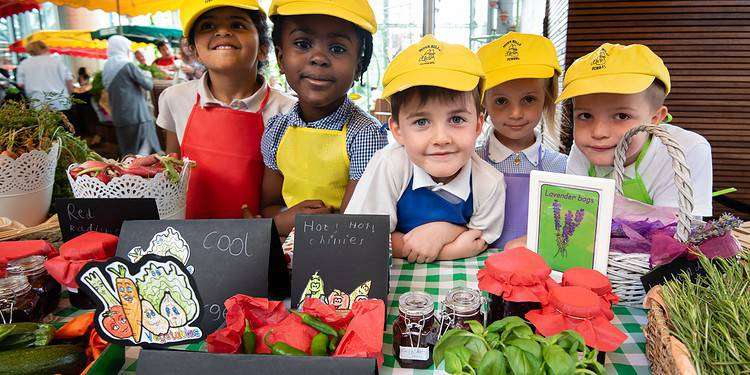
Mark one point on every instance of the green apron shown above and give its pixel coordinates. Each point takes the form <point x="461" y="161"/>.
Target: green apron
<point x="633" y="188"/>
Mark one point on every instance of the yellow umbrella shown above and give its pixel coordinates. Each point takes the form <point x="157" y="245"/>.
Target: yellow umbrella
<point x="127" y="7"/>
<point x="70" y="42"/>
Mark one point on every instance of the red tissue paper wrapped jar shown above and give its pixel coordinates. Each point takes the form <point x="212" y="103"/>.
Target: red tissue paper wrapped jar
<point x="594" y="281"/>
<point x="579" y="309"/>
<point x="12" y="250"/>
<point x="363" y="326"/>
<point x="517" y="280"/>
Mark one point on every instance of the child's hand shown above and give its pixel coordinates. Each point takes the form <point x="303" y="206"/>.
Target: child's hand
<point x="285" y="219"/>
<point x="423" y="243"/>
<point x="468" y="243"/>
<point x="516" y="242"/>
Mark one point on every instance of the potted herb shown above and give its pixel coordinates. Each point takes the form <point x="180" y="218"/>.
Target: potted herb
<point x="509" y="346"/>
<point x="34" y="140"/>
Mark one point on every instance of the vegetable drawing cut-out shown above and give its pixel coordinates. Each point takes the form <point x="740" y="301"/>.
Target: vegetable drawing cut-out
<point x="150" y="303"/>
<point x="168" y="242"/>
<point x="340" y="300"/>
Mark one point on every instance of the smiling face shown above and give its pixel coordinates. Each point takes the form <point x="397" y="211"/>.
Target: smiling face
<point x="515" y="108"/>
<point x="140" y="58"/>
<point x="164" y="50"/>
<point x="438" y="133"/>
<point x="226" y="40"/>
<point x="601" y="120"/>
<point x="319" y="55"/>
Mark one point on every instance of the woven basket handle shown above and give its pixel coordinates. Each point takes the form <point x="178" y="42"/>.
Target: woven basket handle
<point x="681" y="173"/>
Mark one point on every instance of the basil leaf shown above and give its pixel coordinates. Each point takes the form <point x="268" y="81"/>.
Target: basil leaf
<point x="464" y="354"/>
<point x="528" y="345"/>
<point x="476" y="327"/>
<point x="493" y="339"/>
<point x="518" y="362"/>
<point x="493" y="363"/>
<point x="500" y="325"/>
<point x="557" y="361"/>
<point x="453" y="363"/>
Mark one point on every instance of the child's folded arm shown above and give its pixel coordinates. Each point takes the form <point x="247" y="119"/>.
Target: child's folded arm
<point x="424" y="243"/>
<point x="467" y="244"/>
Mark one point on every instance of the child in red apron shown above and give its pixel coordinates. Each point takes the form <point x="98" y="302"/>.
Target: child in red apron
<point x="315" y="153"/>
<point x="218" y="120"/>
<point x="521" y="72"/>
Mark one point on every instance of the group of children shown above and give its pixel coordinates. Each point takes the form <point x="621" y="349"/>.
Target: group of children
<point x="446" y="197"/>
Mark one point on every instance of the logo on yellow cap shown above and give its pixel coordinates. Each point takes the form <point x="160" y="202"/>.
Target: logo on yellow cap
<point x="428" y="54"/>
<point x="600" y="61"/>
<point x="511" y="50"/>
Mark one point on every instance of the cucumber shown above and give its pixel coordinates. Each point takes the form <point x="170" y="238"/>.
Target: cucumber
<point x="53" y="359"/>
<point x="22" y="335"/>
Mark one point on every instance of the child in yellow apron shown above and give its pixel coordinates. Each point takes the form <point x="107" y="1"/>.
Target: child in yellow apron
<point x="315" y="153"/>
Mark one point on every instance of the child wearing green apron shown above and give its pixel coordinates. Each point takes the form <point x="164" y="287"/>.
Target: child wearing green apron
<point x="614" y="89"/>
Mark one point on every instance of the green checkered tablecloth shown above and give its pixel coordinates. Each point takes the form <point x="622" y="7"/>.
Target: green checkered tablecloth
<point x="437" y="279"/>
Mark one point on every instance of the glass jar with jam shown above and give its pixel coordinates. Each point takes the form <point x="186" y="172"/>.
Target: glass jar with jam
<point x="47" y="288"/>
<point x="517" y="281"/>
<point x="415" y="331"/>
<point x="18" y="303"/>
<point x="461" y="305"/>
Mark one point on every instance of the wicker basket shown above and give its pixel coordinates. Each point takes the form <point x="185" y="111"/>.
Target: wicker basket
<point x="625" y="270"/>
<point x="48" y="230"/>
<point x="666" y="354"/>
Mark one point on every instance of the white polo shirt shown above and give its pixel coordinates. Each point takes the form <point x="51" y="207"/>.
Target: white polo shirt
<point x="176" y="103"/>
<point x="388" y="174"/>
<point x="657" y="173"/>
<point x="44" y="78"/>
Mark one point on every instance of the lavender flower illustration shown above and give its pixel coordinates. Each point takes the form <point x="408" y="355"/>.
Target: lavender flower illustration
<point x="564" y="231"/>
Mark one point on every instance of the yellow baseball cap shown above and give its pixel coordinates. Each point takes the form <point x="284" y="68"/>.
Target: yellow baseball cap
<point x="431" y="62"/>
<point x="357" y="12"/>
<point x="190" y="10"/>
<point x="516" y="55"/>
<point x="615" y="69"/>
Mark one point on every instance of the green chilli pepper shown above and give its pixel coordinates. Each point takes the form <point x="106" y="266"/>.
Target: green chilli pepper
<point x="248" y="339"/>
<point x="317" y="324"/>
<point x="319" y="345"/>
<point x="282" y="348"/>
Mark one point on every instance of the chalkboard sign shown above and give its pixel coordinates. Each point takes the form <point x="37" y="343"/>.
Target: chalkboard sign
<point x="340" y="259"/>
<point x="225" y="257"/>
<point x="159" y="362"/>
<point x="106" y="215"/>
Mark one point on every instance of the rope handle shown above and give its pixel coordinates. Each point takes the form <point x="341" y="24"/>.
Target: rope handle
<point x="681" y="173"/>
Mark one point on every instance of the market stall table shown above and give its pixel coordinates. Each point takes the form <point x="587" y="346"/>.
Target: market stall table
<point x="437" y="279"/>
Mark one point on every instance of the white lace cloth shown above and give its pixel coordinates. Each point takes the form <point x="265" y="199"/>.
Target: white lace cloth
<point x="170" y="197"/>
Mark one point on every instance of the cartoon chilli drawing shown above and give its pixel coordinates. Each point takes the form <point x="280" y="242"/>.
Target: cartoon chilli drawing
<point x="129" y="299"/>
<point x="337" y="298"/>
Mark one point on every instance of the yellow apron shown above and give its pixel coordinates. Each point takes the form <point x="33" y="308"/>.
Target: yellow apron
<point x="315" y="165"/>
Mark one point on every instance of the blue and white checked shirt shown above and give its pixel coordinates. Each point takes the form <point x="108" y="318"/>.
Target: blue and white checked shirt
<point x="364" y="134"/>
<point x="504" y="159"/>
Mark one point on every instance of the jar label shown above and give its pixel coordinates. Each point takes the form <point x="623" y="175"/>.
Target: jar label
<point x="414" y="354"/>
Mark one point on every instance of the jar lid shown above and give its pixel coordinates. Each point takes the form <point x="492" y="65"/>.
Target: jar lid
<point x="587" y="278"/>
<point x="463" y="300"/>
<point x="575" y="301"/>
<point x="29" y="266"/>
<point x="520" y="262"/>
<point x="13" y="286"/>
<point x="416" y="304"/>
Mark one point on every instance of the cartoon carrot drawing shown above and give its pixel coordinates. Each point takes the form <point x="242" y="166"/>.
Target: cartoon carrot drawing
<point x="129" y="299"/>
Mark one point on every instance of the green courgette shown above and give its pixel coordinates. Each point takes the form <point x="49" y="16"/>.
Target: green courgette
<point x="53" y="359"/>
<point x="23" y="335"/>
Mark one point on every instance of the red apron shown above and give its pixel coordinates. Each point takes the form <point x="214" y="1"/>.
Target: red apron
<point x="225" y="144"/>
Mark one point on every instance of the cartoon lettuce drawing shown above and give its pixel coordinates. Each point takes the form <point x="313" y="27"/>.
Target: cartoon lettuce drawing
<point x="170" y="288"/>
<point x="168" y="242"/>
